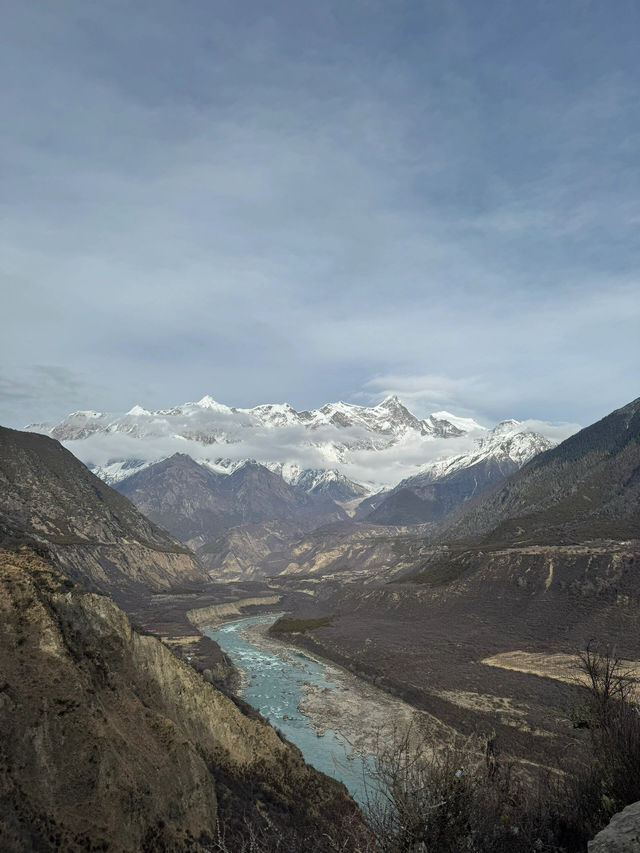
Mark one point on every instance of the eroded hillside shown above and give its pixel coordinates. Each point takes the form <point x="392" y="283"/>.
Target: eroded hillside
<point x="109" y="742"/>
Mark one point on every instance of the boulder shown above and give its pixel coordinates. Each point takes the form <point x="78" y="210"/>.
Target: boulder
<point x="622" y="835"/>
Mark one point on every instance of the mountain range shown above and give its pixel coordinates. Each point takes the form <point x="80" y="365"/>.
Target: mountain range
<point x="195" y="504"/>
<point x="236" y="520"/>
<point x="367" y="446"/>
<point x="478" y="619"/>
<point x="259" y="497"/>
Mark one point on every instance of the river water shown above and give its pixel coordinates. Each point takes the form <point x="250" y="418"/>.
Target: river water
<point x="274" y="684"/>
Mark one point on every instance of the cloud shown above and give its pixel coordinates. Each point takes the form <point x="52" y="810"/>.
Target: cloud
<point x="312" y="201"/>
<point x="38" y="388"/>
<point x="425" y="394"/>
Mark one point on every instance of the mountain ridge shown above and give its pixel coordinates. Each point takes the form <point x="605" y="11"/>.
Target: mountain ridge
<point x="50" y="498"/>
<point x="586" y="487"/>
<point x="197" y="505"/>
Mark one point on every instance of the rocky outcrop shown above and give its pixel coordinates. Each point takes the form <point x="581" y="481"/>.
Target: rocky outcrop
<point x="107" y="741"/>
<point x="622" y="835"/>
<point x="350" y="551"/>
<point x="239" y="552"/>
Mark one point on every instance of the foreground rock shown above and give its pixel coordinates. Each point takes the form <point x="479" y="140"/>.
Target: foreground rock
<point x="622" y="835"/>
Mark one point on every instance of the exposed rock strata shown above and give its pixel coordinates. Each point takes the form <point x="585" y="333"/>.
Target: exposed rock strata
<point x="213" y="613"/>
<point x="109" y="742"/>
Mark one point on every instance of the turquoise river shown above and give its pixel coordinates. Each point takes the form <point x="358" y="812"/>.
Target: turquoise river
<point x="274" y="683"/>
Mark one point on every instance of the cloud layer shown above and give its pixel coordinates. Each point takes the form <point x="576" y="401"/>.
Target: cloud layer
<point x="296" y="445"/>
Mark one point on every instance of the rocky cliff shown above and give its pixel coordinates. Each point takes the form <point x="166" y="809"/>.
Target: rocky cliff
<point x="107" y="741"/>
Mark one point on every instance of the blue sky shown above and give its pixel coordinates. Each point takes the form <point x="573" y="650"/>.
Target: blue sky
<point x="307" y="201"/>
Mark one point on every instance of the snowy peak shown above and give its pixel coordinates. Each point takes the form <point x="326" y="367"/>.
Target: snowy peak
<point x="208" y="421"/>
<point x="377" y="445"/>
<point x="274" y="414"/>
<point x="503" y="443"/>
<point x="506" y="427"/>
<point x="441" y="486"/>
<point x="462" y="424"/>
<point x="208" y="402"/>
<point x="138" y="411"/>
<point x="330" y="483"/>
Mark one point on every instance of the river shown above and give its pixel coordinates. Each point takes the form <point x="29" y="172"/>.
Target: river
<point x="275" y="681"/>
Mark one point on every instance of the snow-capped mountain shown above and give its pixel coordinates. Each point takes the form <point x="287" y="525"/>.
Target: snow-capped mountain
<point x="209" y="422"/>
<point x="339" y="449"/>
<point x="441" y="486"/>
<point x="505" y="443"/>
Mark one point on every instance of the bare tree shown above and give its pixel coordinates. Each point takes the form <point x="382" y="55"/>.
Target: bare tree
<point x="436" y="796"/>
<point x="611" y="682"/>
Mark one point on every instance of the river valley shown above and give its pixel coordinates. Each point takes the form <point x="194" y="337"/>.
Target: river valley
<point x="335" y="719"/>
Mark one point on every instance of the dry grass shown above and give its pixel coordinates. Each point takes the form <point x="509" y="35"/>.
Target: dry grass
<point x="561" y="667"/>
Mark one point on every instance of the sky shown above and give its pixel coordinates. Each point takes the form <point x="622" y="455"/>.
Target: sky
<point x="309" y="201"/>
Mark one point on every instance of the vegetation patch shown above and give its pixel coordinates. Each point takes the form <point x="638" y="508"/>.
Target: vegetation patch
<point x="299" y="626"/>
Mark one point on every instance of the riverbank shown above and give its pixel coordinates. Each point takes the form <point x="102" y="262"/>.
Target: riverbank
<point x="369" y="719"/>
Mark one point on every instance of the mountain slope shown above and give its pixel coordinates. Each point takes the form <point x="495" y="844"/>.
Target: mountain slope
<point x="330" y="484"/>
<point x="196" y="504"/>
<point x="586" y="488"/>
<point x="108" y="741"/>
<point x="528" y="572"/>
<point x="49" y="497"/>
<point x="445" y="485"/>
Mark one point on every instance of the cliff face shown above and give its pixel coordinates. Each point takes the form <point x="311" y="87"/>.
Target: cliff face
<point x="106" y="739"/>
<point x="96" y="534"/>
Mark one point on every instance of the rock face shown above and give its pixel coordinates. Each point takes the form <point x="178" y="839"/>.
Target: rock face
<point x="622" y="835"/>
<point x="347" y="551"/>
<point x="98" y="536"/>
<point x="239" y="553"/>
<point x="107" y="741"/>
